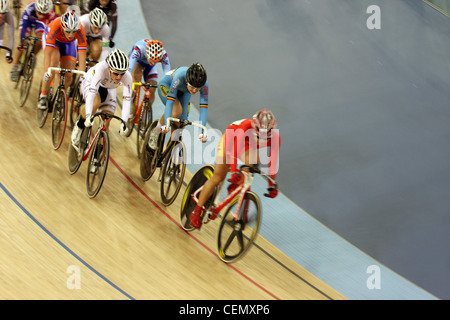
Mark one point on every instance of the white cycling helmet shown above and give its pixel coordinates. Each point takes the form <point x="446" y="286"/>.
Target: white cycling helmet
<point x="44" y="6"/>
<point x="4" y="6"/>
<point x="98" y="18"/>
<point x="118" y="61"/>
<point x="154" y="51"/>
<point x="70" y="21"/>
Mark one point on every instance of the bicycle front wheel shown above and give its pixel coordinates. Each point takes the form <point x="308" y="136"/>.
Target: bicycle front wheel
<point x="173" y="173"/>
<point x="76" y="102"/>
<point x="98" y="164"/>
<point x="75" y="158"/>
<point x="149" y="157"/>
<point x="59" y="119"/>
<point x="145" y="120"/>
<point x="41" y="114"/>
<point x="188" y="204"/>
<point x="26" y="78"/>
<point x="236" y="235"/>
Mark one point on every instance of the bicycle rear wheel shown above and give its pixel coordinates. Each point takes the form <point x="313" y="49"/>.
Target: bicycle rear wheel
<point x="173" y="173"/>
<point x="59" y="119"/>
<point x="75" y="104"/>
<point x="75" y="158"/>
<point x="145" y="120"/>
<point x="149" y="157"/>
<point x="26" y="77"/>
<point x="188" y="204"/>
<point x="98" y="164"/>
<point x="235" y="236"/>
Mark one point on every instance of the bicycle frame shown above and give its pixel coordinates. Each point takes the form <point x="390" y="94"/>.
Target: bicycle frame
<point x="139" y="106"/>
<point x="240" y="192"/>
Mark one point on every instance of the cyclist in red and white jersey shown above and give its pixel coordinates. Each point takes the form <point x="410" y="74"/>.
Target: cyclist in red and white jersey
<point x="242" y="140"/>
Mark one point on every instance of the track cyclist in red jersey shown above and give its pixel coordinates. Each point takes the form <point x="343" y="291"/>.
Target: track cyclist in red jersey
<point x="241" y="141"/>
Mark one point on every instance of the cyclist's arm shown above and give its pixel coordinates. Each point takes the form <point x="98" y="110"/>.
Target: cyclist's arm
<point x="10" y="21"/>
<point x="82" y="48"/>
<point x="204" y="100"/>
<point x="105" y="32"/>
<point x="127" y="81"/>
<point x="165" y="63"/>
<point x="113" y="19"/>
<point x="134" y="57"/>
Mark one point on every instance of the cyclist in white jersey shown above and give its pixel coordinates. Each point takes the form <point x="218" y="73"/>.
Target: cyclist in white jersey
<point x="6" y="17"/>
<point x="99" y="91"/>
<point x="98" y="33"/>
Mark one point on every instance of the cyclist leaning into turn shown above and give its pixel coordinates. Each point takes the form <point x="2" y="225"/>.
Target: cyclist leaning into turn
<point x="37" y="15"/>
<point x="144" y="56"/>
<point x="60" y="47"/>
<point x="241" y="141"/>
<point x="6" y="17"/>
<point x="175" y="90"/>
<point x="99" y="91"/>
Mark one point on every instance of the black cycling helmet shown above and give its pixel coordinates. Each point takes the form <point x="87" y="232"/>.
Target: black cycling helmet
<point x="196" y="75"/>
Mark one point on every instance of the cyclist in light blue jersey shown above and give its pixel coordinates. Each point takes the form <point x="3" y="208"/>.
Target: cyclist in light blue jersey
<point x="175" y="90"/>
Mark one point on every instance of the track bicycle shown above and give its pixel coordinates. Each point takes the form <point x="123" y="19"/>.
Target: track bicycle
<point x="171" y="159"/>
<point x="97" y="150"/>
<point x="59" y="118"/>
<point x="143" y="115"/>
<point x="241" y="220"/>
<point x="6" y="48"/>
<point x="75" y="96"/>
<point x="26" y="69"/>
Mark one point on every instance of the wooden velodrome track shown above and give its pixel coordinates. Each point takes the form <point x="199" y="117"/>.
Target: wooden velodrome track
<point x="126" y="244"/>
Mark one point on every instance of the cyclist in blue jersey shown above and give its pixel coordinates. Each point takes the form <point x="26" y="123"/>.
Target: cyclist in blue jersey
<point x="36" y="16"/>
<point x="175" y="90"/>
<point x="144" y="57"/>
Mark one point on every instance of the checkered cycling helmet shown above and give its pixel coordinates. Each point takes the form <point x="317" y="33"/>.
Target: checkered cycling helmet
<point x="154" y="51"/>
<point x="118" y="61"/>
<point x="44" y="6"/>
<point x="70" y="21"/>
<point x="263" y="122"/>
<point x="98" y="18"/>
<point x="4" y="6"/>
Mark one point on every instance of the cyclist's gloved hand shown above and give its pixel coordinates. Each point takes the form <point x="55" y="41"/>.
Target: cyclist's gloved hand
<point x="272" y="190"/>
<point x="9" y="59"/>
<point x="123" y="129"/>
<point x="235" y="178"/>
<point x="164" y="129"/>
<point x="203" y="137"/>
<point x="111" y="43"/>
<point x="89" y="121"/>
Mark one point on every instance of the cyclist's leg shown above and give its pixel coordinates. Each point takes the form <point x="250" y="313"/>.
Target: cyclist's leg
<point x="95" y="48"/>
<point x="52" y="57"/>
<point x="150" y="75"/>
<point x="69" y="61"/>
<point x="221" y="169"/>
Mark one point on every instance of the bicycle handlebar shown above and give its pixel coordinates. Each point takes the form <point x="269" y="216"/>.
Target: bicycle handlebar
<point x="255" y="169"/>
<point x="65" y="70"/>
<point x="6" y="48"/>
<point x="186" y="123"/>
<point x="107" y="116"/>
<point x="140" y="84"/>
